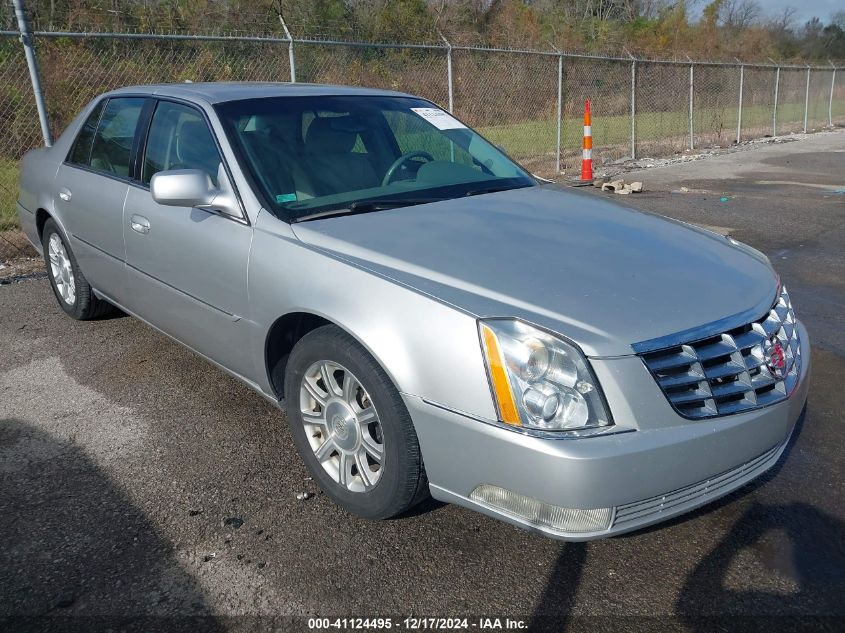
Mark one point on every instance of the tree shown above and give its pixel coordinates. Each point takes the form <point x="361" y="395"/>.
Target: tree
<point x="739" y="14"/>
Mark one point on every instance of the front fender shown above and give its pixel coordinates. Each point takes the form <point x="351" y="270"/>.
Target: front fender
<point x="429" y="349"/>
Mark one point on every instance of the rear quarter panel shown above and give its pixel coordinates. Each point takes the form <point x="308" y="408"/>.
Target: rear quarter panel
<point x="37" y="179"/>
<point x="38" y="171"/>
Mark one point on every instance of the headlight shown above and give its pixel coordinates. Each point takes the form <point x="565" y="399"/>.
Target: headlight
<point x="539" y="381"/>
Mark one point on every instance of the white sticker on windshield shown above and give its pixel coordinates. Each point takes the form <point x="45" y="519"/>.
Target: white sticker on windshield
<point x="439" y="119"/>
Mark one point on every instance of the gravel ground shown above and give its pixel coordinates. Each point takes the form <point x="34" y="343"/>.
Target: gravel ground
<point x="140" y="488"/>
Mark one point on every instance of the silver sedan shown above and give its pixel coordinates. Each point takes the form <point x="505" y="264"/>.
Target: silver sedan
<point x="432" y="319"/>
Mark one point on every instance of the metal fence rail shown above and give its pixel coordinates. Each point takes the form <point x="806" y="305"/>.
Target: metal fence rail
<point x="530" y="102"/>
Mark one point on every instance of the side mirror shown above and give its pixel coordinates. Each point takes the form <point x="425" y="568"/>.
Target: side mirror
<point x="182" y="188"/>
<point x="194" y="188"/>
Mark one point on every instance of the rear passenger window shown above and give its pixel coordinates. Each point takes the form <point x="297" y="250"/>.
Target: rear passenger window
<point x="112" y="144"/>
<point x="179" y="139"/>
<point x="80" y="153"/>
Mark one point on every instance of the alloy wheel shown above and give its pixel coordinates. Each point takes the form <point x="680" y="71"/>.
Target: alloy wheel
<point x="342" y="426"/>
<point x="61" y="269"/>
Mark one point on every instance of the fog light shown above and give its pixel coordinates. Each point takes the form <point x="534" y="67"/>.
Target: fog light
<point x="537" y="513"/>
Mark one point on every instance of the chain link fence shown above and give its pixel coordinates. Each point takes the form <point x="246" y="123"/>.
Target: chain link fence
<point x="529" y="102"/>
<point x="418" y="70"/>
<point x="512" y="99"/>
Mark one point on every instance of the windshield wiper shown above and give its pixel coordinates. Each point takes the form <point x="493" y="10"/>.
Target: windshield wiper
<point x="365" y="206"/>
<point x="478" y="192"/>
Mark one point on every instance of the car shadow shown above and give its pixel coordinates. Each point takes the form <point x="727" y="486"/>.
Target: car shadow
<point x="554" y="607"/>
<point x="795" y="550"/>
<point x="77" y="554"/>
<point x="114" y="313"/>
<point x="802" y="552"/>
<point x="430" y="504"/>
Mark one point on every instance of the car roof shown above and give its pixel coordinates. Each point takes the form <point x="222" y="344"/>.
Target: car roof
<point x="219" y="92"/>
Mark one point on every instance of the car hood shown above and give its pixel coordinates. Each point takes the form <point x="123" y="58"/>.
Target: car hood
<point x="603" y="275"/>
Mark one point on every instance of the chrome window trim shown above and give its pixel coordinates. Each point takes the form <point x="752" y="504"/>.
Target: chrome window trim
<point x="97" y="172"/>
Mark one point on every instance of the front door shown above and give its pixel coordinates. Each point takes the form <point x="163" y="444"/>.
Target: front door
<point x="187" y="267"/>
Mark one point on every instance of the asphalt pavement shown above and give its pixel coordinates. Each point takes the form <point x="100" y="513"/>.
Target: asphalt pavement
<point x="140" y="487"/>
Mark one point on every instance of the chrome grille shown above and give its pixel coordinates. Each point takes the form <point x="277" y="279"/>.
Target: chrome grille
<point x="734" y="371"/>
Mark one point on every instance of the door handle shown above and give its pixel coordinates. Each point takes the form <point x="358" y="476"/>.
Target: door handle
<point x="139" y="224"/>
<point x="65" y="194"/>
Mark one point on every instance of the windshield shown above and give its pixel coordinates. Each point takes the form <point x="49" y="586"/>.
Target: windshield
<point x="314" y="156"/>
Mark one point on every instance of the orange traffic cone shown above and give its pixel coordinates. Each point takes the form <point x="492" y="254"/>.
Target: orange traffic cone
<point x="587" y="156"/>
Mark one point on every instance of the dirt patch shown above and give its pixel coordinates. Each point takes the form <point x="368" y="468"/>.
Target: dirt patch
<point x="14" y="245"/>
<point x="21" y="268"/>
<point x="18" y="260"/>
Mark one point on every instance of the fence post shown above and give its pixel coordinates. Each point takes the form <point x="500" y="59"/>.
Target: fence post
<point x="775" y="113"/>
<point x="633" y="106"/>
<point x="830" y="103"/>
<point x="691" y="91"/>
<point x="32" y="64"/>
<point x="807" y="100"/>
<point x="449" y="72"/>
<point x="559" y="108"/>
<point x="291" y="58"/>
<point x="739" y="113"/>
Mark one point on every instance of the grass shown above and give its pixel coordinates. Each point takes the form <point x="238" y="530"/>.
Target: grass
<point x="8" y="194"/>
<point x="532" y="137"/>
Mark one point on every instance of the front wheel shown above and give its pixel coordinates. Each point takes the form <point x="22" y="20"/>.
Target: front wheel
<point x="72" y="290"/>
<point x="351" y="427"/>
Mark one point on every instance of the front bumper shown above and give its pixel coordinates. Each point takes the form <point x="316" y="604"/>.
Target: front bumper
<point x="656" y="466"/>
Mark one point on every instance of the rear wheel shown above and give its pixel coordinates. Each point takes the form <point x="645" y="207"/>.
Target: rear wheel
<point x="72" y="290"/>
<point x="351" y="427"/>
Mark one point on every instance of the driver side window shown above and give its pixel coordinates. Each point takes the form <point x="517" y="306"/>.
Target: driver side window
<point x="179" y="138"/>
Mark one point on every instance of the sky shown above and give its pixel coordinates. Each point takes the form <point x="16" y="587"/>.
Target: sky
<point x="805" y="9"/>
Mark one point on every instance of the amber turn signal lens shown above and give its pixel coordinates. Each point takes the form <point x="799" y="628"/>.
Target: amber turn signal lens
<point x="499" y="377"/>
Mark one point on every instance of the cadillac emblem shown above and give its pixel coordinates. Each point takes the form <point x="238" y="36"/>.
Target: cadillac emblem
<point x="775" y="358"/>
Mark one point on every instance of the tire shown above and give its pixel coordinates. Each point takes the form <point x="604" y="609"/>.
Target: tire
<point x="400" y="479"/>
<point x="72" y="290"/>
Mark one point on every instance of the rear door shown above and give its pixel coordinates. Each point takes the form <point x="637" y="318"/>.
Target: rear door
<point x="92" y="185"/>
<point x="187" y="267"/>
